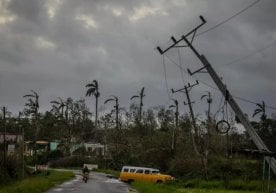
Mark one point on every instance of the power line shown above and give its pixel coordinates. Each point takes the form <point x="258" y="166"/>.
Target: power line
<point x="165" y="76"/>
<point x="251" y="54"/>
<point x="208" y="85"/>
<point x="226" y="20"/>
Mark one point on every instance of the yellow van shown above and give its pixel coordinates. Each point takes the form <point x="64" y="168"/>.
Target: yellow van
<point x="131" y="173"/>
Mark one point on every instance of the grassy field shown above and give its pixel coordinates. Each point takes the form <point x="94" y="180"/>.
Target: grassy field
<point x="107" y="171"/>
<point x="38" y="183"/>
<point x="200" y="187"/>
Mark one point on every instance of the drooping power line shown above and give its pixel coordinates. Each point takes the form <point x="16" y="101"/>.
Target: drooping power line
<point x="208" y="85"/>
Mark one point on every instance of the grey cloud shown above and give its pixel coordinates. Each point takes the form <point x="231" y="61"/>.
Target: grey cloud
<point x="121" y="53"/>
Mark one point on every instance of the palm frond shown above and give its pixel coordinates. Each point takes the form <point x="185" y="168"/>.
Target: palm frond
<point x="116" y="98"/>
<point x="90" y="91"/>
<point x="135" y="96"/>
<point x="29" y="95"/>
<point x="260" y="105"/>
<point x="55" y="102"/>
<point x="90" y="85"/>
<point x="203" y="96"/>
<point x="108" y="100"/>
<point x="257" y="111"/>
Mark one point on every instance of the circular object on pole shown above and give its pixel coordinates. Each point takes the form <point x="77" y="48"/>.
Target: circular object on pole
<point x="222" y="127"/>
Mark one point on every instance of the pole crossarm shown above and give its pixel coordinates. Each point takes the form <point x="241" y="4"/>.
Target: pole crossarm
<point x="175" y="42"/>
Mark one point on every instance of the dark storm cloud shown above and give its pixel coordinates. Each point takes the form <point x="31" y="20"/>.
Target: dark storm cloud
<point x="58" y="46"/>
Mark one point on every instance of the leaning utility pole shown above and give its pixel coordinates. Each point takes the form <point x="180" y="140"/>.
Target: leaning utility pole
<point x="206" y="65"/>
<point x="186" y="90"/>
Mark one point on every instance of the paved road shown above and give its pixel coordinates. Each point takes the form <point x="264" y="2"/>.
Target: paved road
<point x="97" y="183"/>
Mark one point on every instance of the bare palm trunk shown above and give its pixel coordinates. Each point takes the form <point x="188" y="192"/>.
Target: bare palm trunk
<point x="140" y="111"/>
<point x="96" y="118"/>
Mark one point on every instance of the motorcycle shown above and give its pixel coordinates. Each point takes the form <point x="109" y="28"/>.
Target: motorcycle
<point x="85" y="177"/>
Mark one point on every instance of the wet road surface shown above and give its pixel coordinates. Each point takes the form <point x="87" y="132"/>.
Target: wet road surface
<point x="97" y="183"/>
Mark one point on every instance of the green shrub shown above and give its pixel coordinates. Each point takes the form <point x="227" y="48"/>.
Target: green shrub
<point x="11" y="170"/>
<point x="236" y="168"/>
<point x="72" y="161"/>
<point x="55" y="155"/>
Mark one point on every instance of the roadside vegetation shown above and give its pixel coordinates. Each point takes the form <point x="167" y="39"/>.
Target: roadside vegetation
<point x="161" y="137"/>
<point x="37" y="183"/>
<point x="199" y="186"/>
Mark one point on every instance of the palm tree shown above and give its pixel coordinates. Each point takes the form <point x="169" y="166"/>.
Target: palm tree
<point x="32" y="108"/>
<point x="141" y="96"/>
<point x="114" y="98"/>
<point x="58" y="107"/>
<point x="93" y="89"/>
<point x="32" y="104"/>
<point x="260" y="109"/>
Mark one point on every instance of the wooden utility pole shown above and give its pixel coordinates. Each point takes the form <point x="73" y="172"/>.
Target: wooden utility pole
<point x="175" y="129"/>
<point x="206" y="65"/>
<point x="5" y="130"/>
<point x="186" y="90"/>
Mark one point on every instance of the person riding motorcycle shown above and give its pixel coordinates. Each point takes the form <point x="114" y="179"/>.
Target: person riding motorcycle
<point x="85" y="172"/>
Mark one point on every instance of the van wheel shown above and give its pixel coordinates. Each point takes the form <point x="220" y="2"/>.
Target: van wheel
<point x="130" y="181"/>
<point x="159" y="181"/>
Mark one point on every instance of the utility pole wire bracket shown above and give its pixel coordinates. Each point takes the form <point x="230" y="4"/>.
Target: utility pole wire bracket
<point x="197" y="71"/>
<point x="175" y="42"/>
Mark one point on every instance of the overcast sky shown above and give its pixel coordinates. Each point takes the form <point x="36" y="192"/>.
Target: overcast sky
<point x="56" y="47"/>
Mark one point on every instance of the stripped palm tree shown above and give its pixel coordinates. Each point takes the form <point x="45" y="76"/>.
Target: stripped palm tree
<point x="93" y="89"/>
<point x="32" y="104"/>
<point x="141" y="96"/>
<point x="260" y="109"/>
<point x="114" y="98"/>
<point x="58" y="107"/>
<point x="32" y="107"/>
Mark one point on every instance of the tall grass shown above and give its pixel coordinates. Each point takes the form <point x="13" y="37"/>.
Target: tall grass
<point x="200" y="186"/>
<point x="38" y="183"/>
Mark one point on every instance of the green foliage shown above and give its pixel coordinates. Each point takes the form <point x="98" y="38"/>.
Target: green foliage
<point x="56" y="154"/>
<point x="38" y="183"/>
<point x="72" y="161"/>
<point x="199" y="186"/>
<point x="10" y="171"/>
<point x="235" y="168"/>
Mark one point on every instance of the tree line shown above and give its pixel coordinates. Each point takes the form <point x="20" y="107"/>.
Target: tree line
<point x="154" y="137"/>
